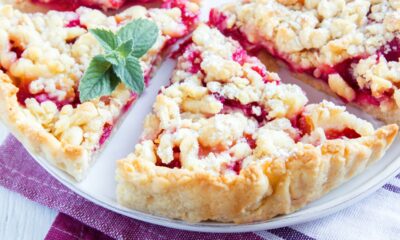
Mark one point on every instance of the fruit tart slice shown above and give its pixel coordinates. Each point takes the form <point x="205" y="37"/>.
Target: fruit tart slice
<point x="352" y="46"/>
<point x="228" y="141"/>
<point x="43" y="59"/>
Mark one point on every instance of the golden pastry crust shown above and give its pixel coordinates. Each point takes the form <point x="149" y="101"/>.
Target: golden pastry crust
<point x="22" y="124"/>
<point x="43" y="57"/>
<point x="227" y="141"/>
<point x="255" y="194"/>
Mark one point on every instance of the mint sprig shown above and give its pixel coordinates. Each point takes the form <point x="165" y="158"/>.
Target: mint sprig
<point x="120" y="61"/>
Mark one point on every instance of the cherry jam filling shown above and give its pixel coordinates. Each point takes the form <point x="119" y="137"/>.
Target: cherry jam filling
<point x="218" y="19"/>
<point x="239" y="56"/>
<point x="300" y="123"/>
<point x="391" y="51"/>
<point x="336" y="134"/>
<point x="236" y="166"/>
<point x="176" y="163"/>
<point x="24" y="93"/>
<point x="17" y="50"/>
<point x="107" y="130"/>
<point x="195" y="60"/>
<point x="189" y="18"/>
<point x="247" y="109"/>
<point x="250" y="141"/>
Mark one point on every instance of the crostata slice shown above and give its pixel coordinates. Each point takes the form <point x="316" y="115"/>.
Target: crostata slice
<point x="228" y="141"/>
<point x="352" y="46"/>
<point x="43" y="58"/>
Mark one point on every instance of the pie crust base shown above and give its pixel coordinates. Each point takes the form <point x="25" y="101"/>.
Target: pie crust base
<point x="253" y="195"/>
<point x="39" y="142"/>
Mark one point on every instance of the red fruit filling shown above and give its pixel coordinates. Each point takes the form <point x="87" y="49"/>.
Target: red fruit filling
<point x="75" y="23"/>
<point x="240" y="56"/>
<point x="195" y="59"/>
<point x="218" y="19"/>
<point x="18" y="51"/>
<point x="23" y="94"/>
<point x="252" y="142"/>
<point x="247" y="109"/>
<point x="176" y="163"/>
<point x="300" y="123"/>
<point x="107" y="130"/>
<point x="391" y="51"/>
<point x="347" y="132"/>
<point x="236" y="166"/>
<point x="189" y="18"/>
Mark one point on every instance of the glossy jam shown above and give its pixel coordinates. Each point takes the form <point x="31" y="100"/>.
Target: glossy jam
<point x="189" y="18"/>
<point x="23" y="94"/>
<point x="195" y="59"/>
<point x="107" y="130"/>
<point x="74" y="23"/>
<point x="336" y="134"/>
<point x="247" y="109"/>
<point x="300" y="123"/>
<point x="236" y="166"/>
<point x="239" y="56"/>
<point x="176" y="163"/>
<point x="251" y="141"/>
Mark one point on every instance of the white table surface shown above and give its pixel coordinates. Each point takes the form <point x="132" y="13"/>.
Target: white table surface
<point x="23" y="219"/>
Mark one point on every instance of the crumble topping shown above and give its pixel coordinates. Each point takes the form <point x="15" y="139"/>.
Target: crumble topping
<point x="201" y="121"/>
<point x="45" y="55"/>
<point x="353" y="45"/>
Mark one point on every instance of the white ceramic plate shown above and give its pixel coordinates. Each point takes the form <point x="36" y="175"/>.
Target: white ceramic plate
<point x="99" y="186"/>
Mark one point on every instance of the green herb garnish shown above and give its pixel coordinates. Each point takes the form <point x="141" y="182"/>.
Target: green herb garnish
<point x="120" y="61"/>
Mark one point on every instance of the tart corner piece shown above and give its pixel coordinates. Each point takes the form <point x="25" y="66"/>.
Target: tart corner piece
<point x="23" y="124"/>
<point x="352" y="54"/>
<point x="228" y="141"/>
<point x="43" y="58"/>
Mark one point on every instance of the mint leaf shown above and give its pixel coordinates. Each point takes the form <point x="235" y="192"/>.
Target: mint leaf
<point x="125" y="49"/>
<point x="98" y="80"/>
<point x="142" y="32"/>
<point x="120" y="62"/>
<point x="131" y="74"/>
<point x="106" y="38"/>
<point x="113" y="57"/>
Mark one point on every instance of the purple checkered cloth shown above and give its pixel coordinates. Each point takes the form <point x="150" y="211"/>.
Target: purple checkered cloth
<point x="377" y="217"/>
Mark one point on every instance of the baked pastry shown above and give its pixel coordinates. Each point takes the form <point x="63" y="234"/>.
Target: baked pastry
<point x="43" y="57"/>
<point x="352" y="46"/>
<point x="228" y="141"/>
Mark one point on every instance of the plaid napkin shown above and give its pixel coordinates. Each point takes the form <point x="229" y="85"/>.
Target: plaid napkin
<point x="377" y="217"/>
